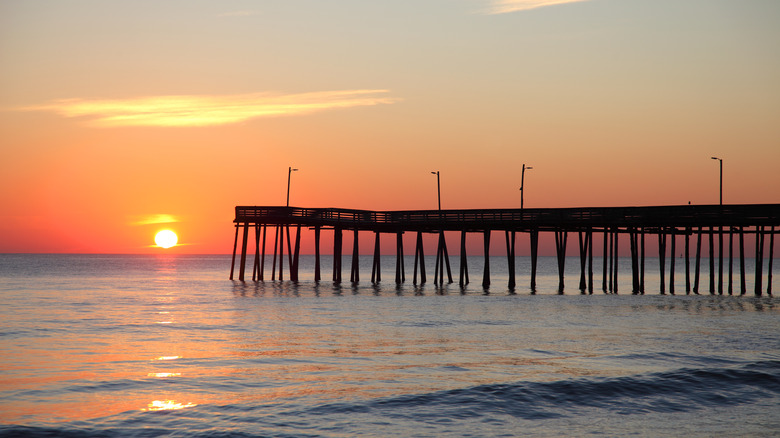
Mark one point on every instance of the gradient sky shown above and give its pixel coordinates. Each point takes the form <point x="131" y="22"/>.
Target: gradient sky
<point x="120" y="118"/>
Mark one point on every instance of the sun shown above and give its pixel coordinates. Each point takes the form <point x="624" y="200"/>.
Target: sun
<point x="166" y="239"/>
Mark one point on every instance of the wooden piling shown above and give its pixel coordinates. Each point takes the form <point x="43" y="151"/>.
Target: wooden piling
<point x="633" y="238"/>
<point x="687" y="261"/>
<point x="446" y="258"/>
<point x="662" y="259"/>
<point x="611" y="260"/>
<point x="296" y="255"/>
<point x="560" y="249"/>
<point x="534" y="236"/>
<point x="464" y="272"/>
<point x="486" y="271"/>
<point x="256" y="262"/>
<point x="590" y="261"/>
<point x="276" y="243"/>
<point x="510" y="256"/>
<point x="697" y="267"/>
<point x="720" y="260"/>
<point x="354" y="272"/>
<point x="419" y="255"/>
<point x="338" y="240"/>
<point x="731" y="260"/>
<point x="289" y="251"/>
<point x="376" y="271"/>
<point x="642" y="261"/>
<point x="742" y="289"/>
<point x="712" y="261"/>
<point x="317" y="267"/>
<point x="583" y="259"/>
<point x="242" y="264"/>
<point x="400" y="276"/>
<point x="235" y="246"/>
<point x="771" y="258"/>
<point x="604" y="264"/>
<point x="262" y="255"/>
<point x="672" y="257"/>
<point x="617" y="260"/>
<point x="759" y="260"/>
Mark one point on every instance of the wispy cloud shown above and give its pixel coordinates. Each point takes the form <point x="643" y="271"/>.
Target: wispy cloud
<point x="152" y="219"/>
<point x="505" y="6"/>
<point x="208" y="110"/>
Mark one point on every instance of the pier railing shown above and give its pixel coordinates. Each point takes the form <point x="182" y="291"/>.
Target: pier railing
<point x="544" y="219"/>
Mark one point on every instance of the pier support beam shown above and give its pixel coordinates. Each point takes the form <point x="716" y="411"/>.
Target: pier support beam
<point x="584" y="245"/>
<point x="759" y="260"/>
<point x="633" y="237"/>
<point x="235" y="245"/>
<point x="642" y="261"/>
<point x="419" y="255"/>
<point x="442" y="258"/>
<point x="617" y="261"/>
<point x="317" y="266"/>
<point x="771" y="258"/>
<point x="262" y="255"/>
<point x="376" y="270"/>
<point x="354" y="272"/>
<point x="464" y="271"/>
<point x="687" y="261"/>
<point x="697" y="267"/>
<point x="510" y="257"/>
<point x="338" y="239"/>
<point x="560" y="250"/>
<point x="672" y="258"/>
<point x="720" y="260"/>
<point x="400" y="276"/>
<point x="486" y="271"/>
<point x="534" y="235"/>
<point x="296" y="254"/>
<point x="242" y="265"/>
<point x="604" y="264"/>
<point x="742" y="289"/>
<point x="712" y="260"/>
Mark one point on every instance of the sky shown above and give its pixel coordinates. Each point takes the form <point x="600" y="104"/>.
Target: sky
<point x="118" y="119"/>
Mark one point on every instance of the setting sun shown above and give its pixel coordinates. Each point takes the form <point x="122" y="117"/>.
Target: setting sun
<point x="166" y="239"/>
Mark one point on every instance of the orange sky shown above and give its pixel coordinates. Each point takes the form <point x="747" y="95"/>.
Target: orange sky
<point x="119" y="119"/>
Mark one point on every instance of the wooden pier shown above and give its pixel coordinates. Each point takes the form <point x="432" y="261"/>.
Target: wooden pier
<point x="671" y="225"/>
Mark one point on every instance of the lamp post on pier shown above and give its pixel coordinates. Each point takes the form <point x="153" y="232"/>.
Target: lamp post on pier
<point x="438" y="186"/>
<point x="720" y="160"/>
<point x="290" y="170"/>
<point x="522" y="184"/>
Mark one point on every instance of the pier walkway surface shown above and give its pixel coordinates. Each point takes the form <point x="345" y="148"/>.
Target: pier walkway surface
<point x="683" y="221"/>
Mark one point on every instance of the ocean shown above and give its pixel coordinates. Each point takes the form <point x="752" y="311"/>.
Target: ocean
<point x="167" y="345"/>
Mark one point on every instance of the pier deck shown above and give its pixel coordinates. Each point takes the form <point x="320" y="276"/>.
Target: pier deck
<point x="662" y="221"/>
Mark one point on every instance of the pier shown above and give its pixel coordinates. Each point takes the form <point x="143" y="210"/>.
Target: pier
<point x="685" y="225"/>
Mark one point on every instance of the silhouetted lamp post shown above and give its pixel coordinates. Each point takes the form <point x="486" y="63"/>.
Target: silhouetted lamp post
<point x="522" y="184"/>
<point x="438" y="186"/>
<point x="721" y="178"/>
<point x="290" y="170"/>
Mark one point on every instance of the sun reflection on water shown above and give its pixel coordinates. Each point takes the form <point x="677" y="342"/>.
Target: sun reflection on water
<point x="164" y="375"/>
<point x="167" y="405"/>
<point x="167" y="357"/>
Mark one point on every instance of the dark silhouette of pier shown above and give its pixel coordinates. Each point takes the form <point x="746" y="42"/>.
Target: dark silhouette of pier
<point x="671" y="225"/>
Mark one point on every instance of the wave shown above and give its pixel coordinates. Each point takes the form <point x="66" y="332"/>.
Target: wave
<point x="673" y="391"/>
<point x="680" y="391"/>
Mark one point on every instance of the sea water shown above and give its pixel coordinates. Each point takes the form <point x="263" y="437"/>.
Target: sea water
<point x="109" y="345"/>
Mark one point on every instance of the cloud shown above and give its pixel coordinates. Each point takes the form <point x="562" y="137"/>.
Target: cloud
<point x="183" y="111"/>
<point x="153" y="219"/>
<point x="505" y="6"/>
